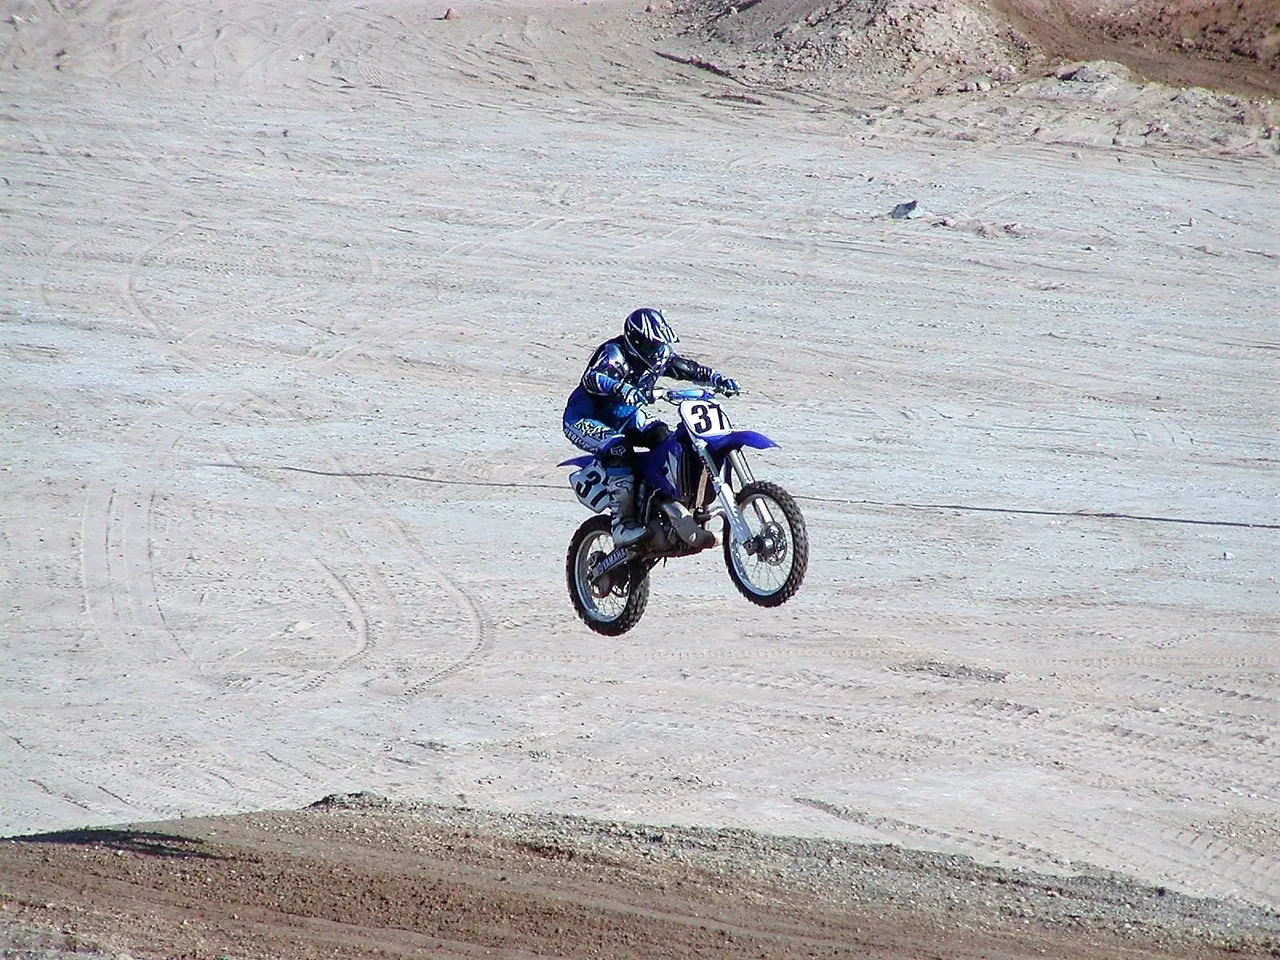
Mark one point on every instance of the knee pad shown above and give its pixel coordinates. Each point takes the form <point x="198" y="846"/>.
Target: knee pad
<point x="616" y="454"/>
<point x="656" y="433"/>
<point x="651" y="435"/>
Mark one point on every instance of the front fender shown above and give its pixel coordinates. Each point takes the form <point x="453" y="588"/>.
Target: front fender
<point x="583" y="461"/>
<point x="736" y="439"/>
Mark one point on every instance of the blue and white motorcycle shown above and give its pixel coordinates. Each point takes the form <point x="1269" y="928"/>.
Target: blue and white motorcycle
<point x="697" y="475"/>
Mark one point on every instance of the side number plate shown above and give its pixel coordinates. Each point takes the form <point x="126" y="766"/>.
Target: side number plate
<point x="591" y="486"/>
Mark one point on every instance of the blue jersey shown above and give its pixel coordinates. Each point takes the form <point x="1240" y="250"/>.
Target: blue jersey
<point x="611" y="369"/>
<point x="597" y="416"/>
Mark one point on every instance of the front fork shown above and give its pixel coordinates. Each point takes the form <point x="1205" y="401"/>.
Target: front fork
<point x="726" y="503"/>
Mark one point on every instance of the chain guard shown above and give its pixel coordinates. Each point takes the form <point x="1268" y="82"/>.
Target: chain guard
<point x="614" y="580"/>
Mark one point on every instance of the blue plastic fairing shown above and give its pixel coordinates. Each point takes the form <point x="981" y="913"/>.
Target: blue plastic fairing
<point x="739" y="438"/>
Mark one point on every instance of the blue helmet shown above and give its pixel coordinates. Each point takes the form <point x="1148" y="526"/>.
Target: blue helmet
<point x="648" y="336"/>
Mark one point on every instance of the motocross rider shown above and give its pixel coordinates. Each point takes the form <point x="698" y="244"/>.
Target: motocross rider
<point x="604" y="414"/>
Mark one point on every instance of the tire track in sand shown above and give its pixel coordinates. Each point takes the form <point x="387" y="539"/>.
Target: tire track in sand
<point x="359" y="623"/>
<point x="989" y="846"/>
<point x="373" y="609"/>
<point x="481" y="622"/>
<point x="117" y="563"/>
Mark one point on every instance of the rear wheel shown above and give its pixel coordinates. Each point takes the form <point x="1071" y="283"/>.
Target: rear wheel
<point x="611" y="606"/>
<point x="769" y="568"/>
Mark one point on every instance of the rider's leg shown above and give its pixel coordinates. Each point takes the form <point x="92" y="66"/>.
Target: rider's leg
<point x="620" y="465"/>
<point x="651" y="434"/>
<point x="614" y="454"/>
<point x="583" y="426"/>
<point x="626" y="528"/>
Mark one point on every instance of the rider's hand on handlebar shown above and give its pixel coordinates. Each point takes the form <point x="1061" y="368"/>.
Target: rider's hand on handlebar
<point x="634" y="396"/>
<point x="726" y="385"/>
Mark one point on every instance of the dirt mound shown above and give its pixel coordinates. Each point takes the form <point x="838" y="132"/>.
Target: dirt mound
<point x="860" y="44"/>
<point x="910" y="43"/>
<point x="1231" y="46"/>
<point x="1247" y="30"/>
<point x="357" y="876"/>
<point x="1056" y="72"/>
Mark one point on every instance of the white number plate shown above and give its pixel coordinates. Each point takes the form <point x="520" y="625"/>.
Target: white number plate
<point x="591" y="486"/>
<point x="704" y="418"/>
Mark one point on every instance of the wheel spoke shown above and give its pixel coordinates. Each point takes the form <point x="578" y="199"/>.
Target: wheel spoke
<point x="761" y="507"/>
<point x="613" y="605"/>
<point x="765" y="561"/>
<point x="759" y="567"/>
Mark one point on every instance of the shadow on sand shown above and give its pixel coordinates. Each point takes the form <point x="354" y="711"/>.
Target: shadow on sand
<point x="132" y="841"/>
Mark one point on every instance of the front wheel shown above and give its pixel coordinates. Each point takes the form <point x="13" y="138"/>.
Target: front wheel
<point x="769" y="568"/>
<point x="612" y="606"/>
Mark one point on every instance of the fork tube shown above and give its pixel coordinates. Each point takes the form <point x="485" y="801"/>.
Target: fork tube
<point x="739" y="463"/>
<point x="724" y="494"/>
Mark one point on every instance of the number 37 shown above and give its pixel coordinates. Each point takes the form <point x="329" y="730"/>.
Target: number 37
<point x="706" y="418"/>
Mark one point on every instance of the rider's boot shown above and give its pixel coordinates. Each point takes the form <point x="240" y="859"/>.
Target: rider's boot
<point x="622" y="502"/>
<point x="688" y="528"/>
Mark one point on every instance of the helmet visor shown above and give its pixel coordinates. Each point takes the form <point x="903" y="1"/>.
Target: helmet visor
<point x="653" y="354"/>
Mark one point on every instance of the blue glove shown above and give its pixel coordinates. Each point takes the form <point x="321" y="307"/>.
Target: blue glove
<point x="633" y="396"/>
<point x="726" y="385"/>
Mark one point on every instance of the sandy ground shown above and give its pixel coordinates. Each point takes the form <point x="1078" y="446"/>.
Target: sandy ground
<point x="291" y="300"/>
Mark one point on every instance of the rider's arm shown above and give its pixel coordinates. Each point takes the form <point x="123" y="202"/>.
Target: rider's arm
<point x="682" y="368"/>
<point x="606" y="374"/>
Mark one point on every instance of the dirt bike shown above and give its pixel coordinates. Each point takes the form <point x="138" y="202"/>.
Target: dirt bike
<point x="697" y="475"/>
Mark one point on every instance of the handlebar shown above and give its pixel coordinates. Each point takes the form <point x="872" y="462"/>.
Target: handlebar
<point x="681" y="394"/>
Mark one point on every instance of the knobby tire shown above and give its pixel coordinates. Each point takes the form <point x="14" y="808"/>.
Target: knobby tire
<point x="799" y="544"/>
<point x="638" y="586"/>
